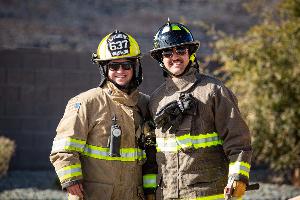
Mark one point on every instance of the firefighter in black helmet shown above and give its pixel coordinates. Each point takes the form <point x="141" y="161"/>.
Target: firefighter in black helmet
<point x="203" y="144"/>
<point x="173" y="35"/>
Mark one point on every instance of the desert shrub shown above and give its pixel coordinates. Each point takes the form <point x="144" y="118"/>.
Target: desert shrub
<point x="7" y="149"/>
<point x="264" y="70"/>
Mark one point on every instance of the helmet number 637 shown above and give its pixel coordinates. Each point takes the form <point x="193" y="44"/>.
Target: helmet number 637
<point x="118" y="45"/>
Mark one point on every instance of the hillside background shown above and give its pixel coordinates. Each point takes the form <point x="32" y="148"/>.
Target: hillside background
<point x="79" y="26"/>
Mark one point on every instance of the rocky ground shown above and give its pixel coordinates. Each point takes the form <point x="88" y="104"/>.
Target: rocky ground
<point x="40" y="185"/>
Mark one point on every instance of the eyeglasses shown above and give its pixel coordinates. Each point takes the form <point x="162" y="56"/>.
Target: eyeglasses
<point x="115" y="66"/>
<point x="168" y="53"/>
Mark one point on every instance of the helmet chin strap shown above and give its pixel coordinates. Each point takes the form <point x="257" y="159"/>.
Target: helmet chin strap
<point x="102" y="75"/>
<point x="128" y="88"/>
<point x="121" y="87"/>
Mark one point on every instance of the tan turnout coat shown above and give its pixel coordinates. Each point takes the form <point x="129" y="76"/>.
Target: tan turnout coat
<point x="194" y="162"/>
<point x="80" y="148"/>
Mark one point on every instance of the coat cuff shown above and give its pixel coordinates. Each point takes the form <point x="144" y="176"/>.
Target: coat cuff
<point x="239" y="166"/>
<point x="149" y="183"/>
<point x="69" y="173"/>
<point x="69" y="183"/>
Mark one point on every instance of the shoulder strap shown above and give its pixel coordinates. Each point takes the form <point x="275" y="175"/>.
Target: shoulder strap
<point x="190" y="90"/>
<point x="198" y="80"/>
<point x="142" y="105"/>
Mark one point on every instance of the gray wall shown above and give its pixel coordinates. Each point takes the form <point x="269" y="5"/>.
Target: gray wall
<point x="35" y="85"/>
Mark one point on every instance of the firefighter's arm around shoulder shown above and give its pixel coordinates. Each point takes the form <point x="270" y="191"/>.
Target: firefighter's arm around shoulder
<point x="150" y="168"/>
<point x="69" y="143"/>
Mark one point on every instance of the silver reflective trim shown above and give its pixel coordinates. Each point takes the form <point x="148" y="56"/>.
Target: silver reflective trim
<point x="63" y="144"/>
<point x="63" y="172"/>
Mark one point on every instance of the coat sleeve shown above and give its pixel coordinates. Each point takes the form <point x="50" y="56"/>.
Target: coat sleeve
<point x="69" y="143"/>
<point x="234" y="133"/>
<point x="150" y="168"/>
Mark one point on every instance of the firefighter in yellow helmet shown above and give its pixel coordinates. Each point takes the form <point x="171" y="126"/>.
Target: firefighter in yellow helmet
<point x="203" y="144"/>
<point x="103" y="138"/>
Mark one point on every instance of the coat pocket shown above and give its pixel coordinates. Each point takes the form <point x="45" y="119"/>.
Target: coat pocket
<point x="204" y="177"/>
<point x="95" y="191"/>
<point x="186" y="124"/>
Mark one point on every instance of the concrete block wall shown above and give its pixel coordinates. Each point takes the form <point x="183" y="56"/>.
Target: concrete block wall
<point x="35" y="85"/>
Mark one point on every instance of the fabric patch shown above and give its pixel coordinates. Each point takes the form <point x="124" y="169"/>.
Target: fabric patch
<point x="77" y="105"/>
<point x="73" y="105"/>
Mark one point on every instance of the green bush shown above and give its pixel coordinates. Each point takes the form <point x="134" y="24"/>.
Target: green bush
<point x="7" y="148"/>
<point x="264" y="70"/>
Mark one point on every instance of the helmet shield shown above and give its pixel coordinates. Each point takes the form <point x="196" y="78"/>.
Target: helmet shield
<point x="118" y="44"/>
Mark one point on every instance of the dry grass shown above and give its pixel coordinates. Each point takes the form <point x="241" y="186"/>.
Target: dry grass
<point x="7" y="149"/>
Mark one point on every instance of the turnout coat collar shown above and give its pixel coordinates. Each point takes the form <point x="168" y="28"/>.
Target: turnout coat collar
<point x="182" y="83"/>
<point x="121" y="97"/>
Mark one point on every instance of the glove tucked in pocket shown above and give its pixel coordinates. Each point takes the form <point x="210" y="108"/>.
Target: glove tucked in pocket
<point x="172" y="114"/>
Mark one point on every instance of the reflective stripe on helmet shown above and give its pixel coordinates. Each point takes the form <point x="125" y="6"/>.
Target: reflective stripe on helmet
<point x="70" y="144"/>
<point x="187" y="140"/>
<point x="175" y="27"/>
<point x="149" y="181"/>
<point x="238" y="167"/>
<point x="187" y="30"/>
<point x="69" y="172"/>
<point x="127" y="154"/>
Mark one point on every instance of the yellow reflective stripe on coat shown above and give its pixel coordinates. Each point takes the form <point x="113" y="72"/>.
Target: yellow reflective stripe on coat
<point x="69" y="144"/>
<point x="187" y="140"/>
<point x="149" y="181"/>
<point x="212" y="197"/>
<point x="239" y="168"/>
<point x="69" y="172"/>
<point x="127" y="154"/>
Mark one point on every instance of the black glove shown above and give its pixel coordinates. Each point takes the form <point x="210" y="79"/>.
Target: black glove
<point x="171" y="115"/>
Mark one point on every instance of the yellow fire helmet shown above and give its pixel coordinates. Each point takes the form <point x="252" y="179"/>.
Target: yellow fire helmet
<point x="116" y="45"/>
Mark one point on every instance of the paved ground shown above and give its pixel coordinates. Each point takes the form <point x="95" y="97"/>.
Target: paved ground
<point x="40" y="185"/>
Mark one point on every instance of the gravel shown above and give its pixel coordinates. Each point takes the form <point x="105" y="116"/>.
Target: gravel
<point x="30" y="185"/>
<point x="41" y="185"/>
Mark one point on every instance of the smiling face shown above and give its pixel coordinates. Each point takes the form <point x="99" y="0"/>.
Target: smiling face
<point x="176" y="60"/>
<point x="120" y="71"/>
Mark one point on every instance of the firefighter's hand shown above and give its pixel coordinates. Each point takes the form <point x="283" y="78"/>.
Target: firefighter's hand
<point x="150" y="197"/>
<point x="76" y="189"/>
<point x="239" y="189"/>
